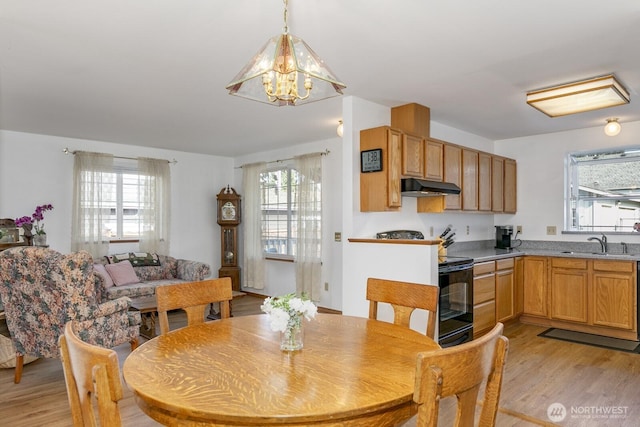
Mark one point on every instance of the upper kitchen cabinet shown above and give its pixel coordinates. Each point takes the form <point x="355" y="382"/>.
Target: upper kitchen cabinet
<point x="380" y="189"/>
<point x="414" y="119"/>
<point x="433" y="159"/>
<point x="469" y="180"/>
<point x="412" y="156"/>
<point x="497" y="184"/>
<point x="484" y="182"/>
<point x="510" y="181"/>
<point x="503" y="185"/>
<point x="453" y="174"/>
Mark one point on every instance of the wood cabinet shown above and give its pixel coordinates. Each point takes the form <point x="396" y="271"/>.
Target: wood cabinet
<point x="487" y="181"/>
<point x="484" y="297"/>
<point x="484" y="182"/>
<point x="510" y="202"/>
<point x="412" y="118"/>
<point x="535" y="286"/>
<point x="497" y="184"/>
<point x="380" y="191"/>
<point x="505" y="290"/>
<point x="433" y="157"/>
<point x="469" y="180"/>
<point x="586" y="295"/>
<point x="518" y="271"/>
<point x="452" y="173"/>
<point x="569" y="287"/>
<point x="614" y="299"/>
<point x="412" y="156"/>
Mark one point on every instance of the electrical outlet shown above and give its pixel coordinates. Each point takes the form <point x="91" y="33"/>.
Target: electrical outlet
<point x="337" y="236"/>
<point x="326" y="286"/>
<point x="519" y="229"/>
<point x="551" y="230"/>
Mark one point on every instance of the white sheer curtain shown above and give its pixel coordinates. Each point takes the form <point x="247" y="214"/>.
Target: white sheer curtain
<point x="155" y="205"/>
<point x="92" y="175"/>
<point x="309" y="233"/>
<point x="253" y="259"/>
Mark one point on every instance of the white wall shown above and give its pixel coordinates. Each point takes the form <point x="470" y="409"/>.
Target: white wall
<point x="34" y="171"/>
<point x="541" y="177"/>
<point x="280" y="275"/>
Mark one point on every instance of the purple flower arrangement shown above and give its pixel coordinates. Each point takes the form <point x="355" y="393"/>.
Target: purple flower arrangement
<point x="27" y="222"/>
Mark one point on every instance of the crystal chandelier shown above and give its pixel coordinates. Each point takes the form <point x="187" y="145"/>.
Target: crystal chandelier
<point x="286" y="72"/>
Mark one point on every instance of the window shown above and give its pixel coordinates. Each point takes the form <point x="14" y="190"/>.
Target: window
<point x="120" y="199"/>
<point x="122" y="196"/>
<point x="603" y="191"/>
<point x="279" y="195"/>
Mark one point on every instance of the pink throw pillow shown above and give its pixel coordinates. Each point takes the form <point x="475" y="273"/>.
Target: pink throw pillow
<point x="122" y="273"/>
<point x="99" y="268"/>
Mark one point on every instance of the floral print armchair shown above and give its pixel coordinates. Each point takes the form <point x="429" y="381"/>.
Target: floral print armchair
<point x="42" y="289"/>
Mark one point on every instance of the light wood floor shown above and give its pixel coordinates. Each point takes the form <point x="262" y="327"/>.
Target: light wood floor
<point x="539" y="372"/>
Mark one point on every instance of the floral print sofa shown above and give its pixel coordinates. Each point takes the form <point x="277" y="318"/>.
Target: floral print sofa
<point x="42" y="289"/>
<point x="171" y="270"/>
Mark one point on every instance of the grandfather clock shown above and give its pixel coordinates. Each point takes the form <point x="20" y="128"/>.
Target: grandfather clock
<point x="229" y="218"/>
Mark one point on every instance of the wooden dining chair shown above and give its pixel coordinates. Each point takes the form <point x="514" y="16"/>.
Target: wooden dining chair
<point x="404" y="297"/>
<point x="92" y="377"/>
<point x="194" y="298"/>
<point x="459" y="371"/>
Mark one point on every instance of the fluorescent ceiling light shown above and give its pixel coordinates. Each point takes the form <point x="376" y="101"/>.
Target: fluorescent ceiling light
<point x="578" y="97"/>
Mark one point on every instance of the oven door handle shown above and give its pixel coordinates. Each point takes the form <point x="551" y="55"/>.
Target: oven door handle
<point x="459" y="339"/>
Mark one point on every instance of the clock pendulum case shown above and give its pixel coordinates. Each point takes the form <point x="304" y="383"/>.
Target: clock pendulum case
<point x="229" y="218"/>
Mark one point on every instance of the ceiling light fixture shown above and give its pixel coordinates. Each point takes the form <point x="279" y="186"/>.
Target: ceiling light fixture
<point x="283" y="66"/>
<point x="612" y="128"/>
<point x="340" y="129"/>
<point x="578" y="97"/>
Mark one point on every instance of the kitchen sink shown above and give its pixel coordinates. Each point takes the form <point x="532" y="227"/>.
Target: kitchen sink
<point x="600" y="254"/>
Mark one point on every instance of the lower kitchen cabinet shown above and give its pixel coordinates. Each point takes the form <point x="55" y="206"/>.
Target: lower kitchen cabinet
<point x="582" y="294"/>
<point x="614" y="299"/>
<point x="569" y="287"/>
<point x="535" y="286"/>
<point x="495" y="290"/>
<point x="505" y="290"/>
<point x="484" y="297"/>
<point x="518" y="271"/>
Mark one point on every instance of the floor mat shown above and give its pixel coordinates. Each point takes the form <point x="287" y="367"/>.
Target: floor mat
<point x="594" y="340"/>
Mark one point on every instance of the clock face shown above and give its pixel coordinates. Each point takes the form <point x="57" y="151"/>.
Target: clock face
<point x="228" y="212"/>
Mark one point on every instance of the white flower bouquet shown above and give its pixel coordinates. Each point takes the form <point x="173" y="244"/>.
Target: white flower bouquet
<point x="285" y="315"/>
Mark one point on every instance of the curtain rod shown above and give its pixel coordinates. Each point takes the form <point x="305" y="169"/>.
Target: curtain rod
<point x="67" y="151"/>
<point x="322" y="153"/>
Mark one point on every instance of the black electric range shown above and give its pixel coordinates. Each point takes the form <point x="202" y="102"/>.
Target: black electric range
<point x="453" y="263"/>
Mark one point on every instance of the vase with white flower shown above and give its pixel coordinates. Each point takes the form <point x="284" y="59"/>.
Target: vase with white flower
<point x="286" y="314"/>
<point x="34" y="222"/>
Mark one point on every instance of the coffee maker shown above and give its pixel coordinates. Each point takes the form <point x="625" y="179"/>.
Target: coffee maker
<point x="503" y="236"/>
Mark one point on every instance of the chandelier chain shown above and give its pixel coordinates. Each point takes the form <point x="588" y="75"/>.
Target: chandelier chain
<point x="285" y="29"/>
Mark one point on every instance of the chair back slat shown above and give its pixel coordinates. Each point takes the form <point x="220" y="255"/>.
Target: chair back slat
<point x="194" y="298"/>
<point x="92" y="377"/>
<point x="460" y="371"/>
<point x="404" y="297"/>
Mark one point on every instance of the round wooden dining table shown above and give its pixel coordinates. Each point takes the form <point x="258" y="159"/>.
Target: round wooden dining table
<point x="352" y="371"/>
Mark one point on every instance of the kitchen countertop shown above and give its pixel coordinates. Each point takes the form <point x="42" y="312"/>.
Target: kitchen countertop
<point x="491" y="254"/>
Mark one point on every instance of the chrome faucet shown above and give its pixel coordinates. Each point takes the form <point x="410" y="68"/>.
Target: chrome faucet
<point x="603" y="242"/>
<point x="624" y="248"/>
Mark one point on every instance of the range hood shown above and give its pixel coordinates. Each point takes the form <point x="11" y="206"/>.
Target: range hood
<point x="413" y="187"/>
